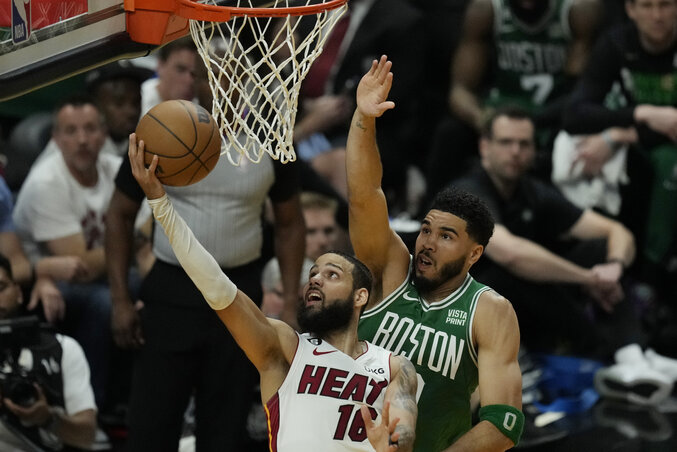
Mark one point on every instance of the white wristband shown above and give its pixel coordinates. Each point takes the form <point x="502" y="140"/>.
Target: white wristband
<point x="200" y="266"/>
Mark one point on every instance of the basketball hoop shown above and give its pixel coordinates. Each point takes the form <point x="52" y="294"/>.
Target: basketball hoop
<point x="256" y="58"/>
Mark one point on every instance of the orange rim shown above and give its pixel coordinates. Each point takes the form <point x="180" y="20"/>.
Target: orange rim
<point x="212" y="13"/>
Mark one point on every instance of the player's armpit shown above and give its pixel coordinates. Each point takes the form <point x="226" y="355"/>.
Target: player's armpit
<point x="401" y="394"/>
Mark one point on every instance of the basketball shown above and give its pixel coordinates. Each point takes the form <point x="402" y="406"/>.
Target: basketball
<point x="185" y="138"/>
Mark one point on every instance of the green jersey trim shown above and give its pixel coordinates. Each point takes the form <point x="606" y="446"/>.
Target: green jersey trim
<point x="442" y="304"/>
<point x="472" y="351"/>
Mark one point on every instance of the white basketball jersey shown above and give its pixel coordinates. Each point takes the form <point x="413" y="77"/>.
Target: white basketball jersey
<point x="317" y="408"/>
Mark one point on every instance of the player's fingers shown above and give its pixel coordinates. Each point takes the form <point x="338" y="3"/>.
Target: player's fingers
<point x="393" y="424"/>
<point x="153" y="164"/>
<point x="393" y="444"/>
<point x="385" y="414"/>
<point x="132" y="144"/>
<point x="366" y="417"/>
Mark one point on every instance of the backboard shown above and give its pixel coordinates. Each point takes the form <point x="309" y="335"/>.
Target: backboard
<point x="60" y="39"/>
<point x="44" y="41"/>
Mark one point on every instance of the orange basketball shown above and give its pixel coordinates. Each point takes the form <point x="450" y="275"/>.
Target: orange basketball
<point x="186" y="139"/>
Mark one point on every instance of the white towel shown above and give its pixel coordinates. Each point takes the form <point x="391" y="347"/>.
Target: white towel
<point x="600" y="192"/>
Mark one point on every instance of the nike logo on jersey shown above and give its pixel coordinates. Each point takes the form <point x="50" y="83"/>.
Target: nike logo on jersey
<point x="316" y="352"/>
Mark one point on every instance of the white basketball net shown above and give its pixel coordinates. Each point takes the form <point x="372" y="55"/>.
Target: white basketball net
<point x="255" y="66"/>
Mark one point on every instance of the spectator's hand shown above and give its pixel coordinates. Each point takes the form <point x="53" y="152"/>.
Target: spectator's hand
<point x="660" y="119"/>
<point x="36" y="414"/>
<point x="382" y="437"/>
<point x="593" y="152"/>
<point x="608" y="273"/>
<point x="605" y="287"/>
<point x="144" y="176"/>
<point x="64" y="268"/>
<point x="53" y="305"/>
<point x="374" y="87"/>
<point x="126" y="324"/>
<point x="327" y="111"/>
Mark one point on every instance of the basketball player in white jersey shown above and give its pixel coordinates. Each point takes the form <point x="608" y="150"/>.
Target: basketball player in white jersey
<point x="312" y="385"/>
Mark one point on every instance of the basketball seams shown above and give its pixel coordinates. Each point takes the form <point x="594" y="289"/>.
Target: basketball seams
<point x="191" y="151"/>
<point x="165" y="128"/>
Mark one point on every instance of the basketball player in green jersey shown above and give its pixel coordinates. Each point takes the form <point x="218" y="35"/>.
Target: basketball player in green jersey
<point x="540" y="47"/>
<point x="457" y="332"/>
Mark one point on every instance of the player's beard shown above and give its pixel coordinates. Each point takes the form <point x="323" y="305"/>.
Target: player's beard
<point x="448" y="271"/>
<point x="333" y="317"/>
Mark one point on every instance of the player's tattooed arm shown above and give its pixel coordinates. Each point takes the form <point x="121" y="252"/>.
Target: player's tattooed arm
<point x="401" y="393"/>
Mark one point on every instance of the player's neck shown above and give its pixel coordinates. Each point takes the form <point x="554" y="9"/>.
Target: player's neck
<point x="346" y="341"/>
<point x="445" y="289"/>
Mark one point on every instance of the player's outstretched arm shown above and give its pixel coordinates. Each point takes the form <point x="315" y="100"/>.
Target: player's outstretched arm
<point x="374" y="242"/>
<point x="251" y="330"/>
<point x="496" y="335"/>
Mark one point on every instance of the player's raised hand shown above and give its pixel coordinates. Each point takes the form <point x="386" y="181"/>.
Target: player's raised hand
<point x="144" y="176"/>
<point x="372" y="92"/>
<point x="382" y="437"/>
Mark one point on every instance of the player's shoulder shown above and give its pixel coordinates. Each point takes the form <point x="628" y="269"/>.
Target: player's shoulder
<point x="288" y="338"/>
<point x="492" y="306"/>
<point x="402" y="366"/>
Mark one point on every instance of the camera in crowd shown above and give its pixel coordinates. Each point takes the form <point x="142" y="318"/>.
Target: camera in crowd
<point x="17" y="384"/>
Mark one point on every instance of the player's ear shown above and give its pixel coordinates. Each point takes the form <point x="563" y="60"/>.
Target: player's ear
<point x="361" y="297"/>
<point x="475" y="253"/>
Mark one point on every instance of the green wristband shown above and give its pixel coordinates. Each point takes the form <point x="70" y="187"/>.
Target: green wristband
<point x="507" y="419"/>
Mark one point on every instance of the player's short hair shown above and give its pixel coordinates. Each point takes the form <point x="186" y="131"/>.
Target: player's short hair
<point x="509" y="111"/>
<point x="7" y="266"/>
<point x="468" y="207"/>
<point x="362" y="278"/>
<point x="317" y="201"/>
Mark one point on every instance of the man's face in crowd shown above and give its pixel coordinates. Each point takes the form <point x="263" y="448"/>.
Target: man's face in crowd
<point x="656" y="21"/>
<point x="321" y="233"/>
<point x="177" y="75"/>
<point x="510" y="151"/>
<point x="120" y="101"/>
<point x="79" y="132"/>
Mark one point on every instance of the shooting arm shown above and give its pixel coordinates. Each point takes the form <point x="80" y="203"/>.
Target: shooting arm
<point x="245" y="321"/>
<point x="496" y="334"/>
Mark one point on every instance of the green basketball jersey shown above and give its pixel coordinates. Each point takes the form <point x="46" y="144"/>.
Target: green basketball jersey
<point x="436" y="338"/>
<point x="530" y="59"/>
